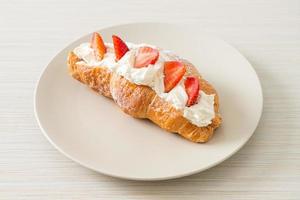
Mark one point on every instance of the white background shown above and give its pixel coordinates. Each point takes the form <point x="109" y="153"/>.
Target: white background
<point x="266" y="32"/>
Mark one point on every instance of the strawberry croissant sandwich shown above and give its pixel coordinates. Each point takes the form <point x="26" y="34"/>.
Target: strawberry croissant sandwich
<point x="148" y="82"/>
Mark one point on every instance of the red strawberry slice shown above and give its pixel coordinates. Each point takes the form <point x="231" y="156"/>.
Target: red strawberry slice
<point x="192" y="88"/>
<point x="173" y="71"/>
<point x="146" y="56"/>
<point x="120" y="47"/>
<point x="98" y="45"/>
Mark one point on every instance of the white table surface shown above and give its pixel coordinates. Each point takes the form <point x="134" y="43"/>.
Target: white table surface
<point x="266" y="32"/>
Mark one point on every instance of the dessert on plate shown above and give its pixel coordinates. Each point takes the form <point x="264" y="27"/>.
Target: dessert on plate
<point x="148" y="82"/>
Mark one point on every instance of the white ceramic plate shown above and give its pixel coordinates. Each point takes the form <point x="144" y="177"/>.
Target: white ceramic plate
<point x="92" y="130"/>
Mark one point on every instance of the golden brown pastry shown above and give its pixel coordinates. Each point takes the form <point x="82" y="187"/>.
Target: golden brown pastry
<point x="143" y="101"/>
<point x="97" y="78"/>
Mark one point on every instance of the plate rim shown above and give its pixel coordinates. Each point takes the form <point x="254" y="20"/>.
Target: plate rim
<point x="44" y="132"/>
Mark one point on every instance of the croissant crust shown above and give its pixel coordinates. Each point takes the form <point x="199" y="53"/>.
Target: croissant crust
<point x="142" y="102"/>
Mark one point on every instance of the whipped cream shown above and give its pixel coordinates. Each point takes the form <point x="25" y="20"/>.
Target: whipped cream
<point x="200" y="114"/>
<point x="140" y="76"/>
<point x="145" y="75"/>
<point x="177" y="96"/>
<point x="203" y="112"/>
<point x="87" y="54"/>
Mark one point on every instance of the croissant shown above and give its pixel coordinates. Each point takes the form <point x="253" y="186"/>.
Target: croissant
<point x="142" y="101"/>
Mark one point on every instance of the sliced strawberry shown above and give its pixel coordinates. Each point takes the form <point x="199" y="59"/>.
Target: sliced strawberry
<point x="173" y="71"/>
<point x="120" y="47"/>
<point x="145" y="56"/>
<point x="192" y="88"/>
<point x="98" y="45"/>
